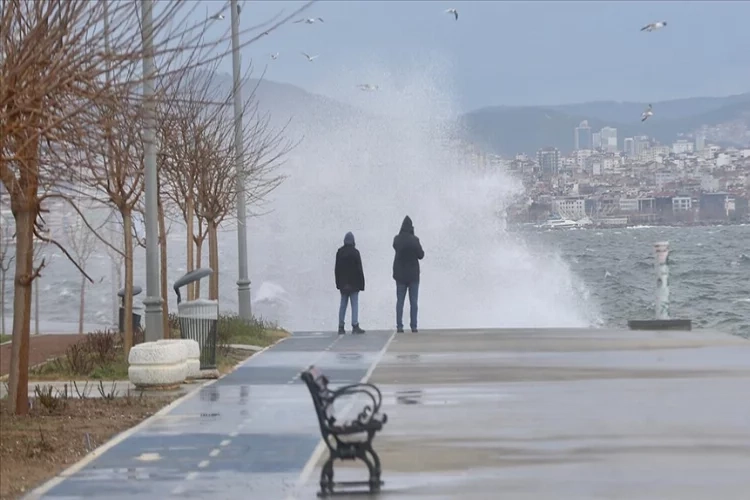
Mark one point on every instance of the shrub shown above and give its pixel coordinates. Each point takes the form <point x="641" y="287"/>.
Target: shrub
<point x="48" y="399"/>
<point x="79" y="359"/>
<point x="102" y="346"/>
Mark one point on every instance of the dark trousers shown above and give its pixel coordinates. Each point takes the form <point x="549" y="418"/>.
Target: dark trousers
<point x="401" y="289"/>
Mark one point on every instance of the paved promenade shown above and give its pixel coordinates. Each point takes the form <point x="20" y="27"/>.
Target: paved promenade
<point x="473" y="414"/>
<point x="248" y="435"/>
<point x="564" y="414"/>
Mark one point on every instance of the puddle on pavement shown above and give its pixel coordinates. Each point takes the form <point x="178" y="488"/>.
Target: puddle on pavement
<point x="408" y="357"/>
<point x="348" y="356"/>
<point x="411" y="397"/>
<point x="209" y="393"/>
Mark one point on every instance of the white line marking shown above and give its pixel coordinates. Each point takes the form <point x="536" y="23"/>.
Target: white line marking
<point x="225" y="442"/>
<point x="204" y="464"/>
<point x="191" y="476"/>
<point x="321" y="447"/>
<point x="214" y="453"/>
<point x="44" y="488"/>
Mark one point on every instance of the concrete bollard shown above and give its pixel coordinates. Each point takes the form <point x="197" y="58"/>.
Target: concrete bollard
<point x="662" y="280"/>
<point x="155" y="365"/>
<point x="192" y="353"/>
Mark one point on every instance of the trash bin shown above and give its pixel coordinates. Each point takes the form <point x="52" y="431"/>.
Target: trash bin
<point x="199" y="318"/>
<point x="136" y="314"/>
<point x="198" y="321"/>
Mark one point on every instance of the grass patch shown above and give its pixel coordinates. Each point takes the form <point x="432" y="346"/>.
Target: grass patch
<point x="232" y="329"/>
<point x="5" y="338"/>
<point x="99" y="356"/>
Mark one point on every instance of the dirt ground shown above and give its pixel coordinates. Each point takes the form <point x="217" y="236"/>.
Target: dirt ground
<point x="42" y="348"/>
<point x="37" y="447"/>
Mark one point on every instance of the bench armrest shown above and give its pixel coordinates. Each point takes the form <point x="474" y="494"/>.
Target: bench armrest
<point x="368" y="412"/>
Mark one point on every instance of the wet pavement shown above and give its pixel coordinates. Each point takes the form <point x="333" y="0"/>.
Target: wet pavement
<point x="563" y="414"/>
<point x="248" y="435"/>
<point x="473" y="414"/>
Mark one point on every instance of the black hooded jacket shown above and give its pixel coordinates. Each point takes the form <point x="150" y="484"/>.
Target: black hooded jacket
<point x="350" y="276"/>
<point x="408" y="254"/>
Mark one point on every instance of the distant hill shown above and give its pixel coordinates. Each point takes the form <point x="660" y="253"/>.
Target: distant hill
<point x="289" y="103"/>
<point x="508" y="130"/>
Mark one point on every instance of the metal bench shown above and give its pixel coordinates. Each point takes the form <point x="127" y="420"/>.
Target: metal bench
<point x="346" y="440"/>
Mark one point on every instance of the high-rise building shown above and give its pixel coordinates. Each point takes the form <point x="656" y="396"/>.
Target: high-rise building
<point x="628" y="146"/>
<point x="596" y="140"/>
<point x="641" y="144"/>
<point x="583" y="139"/>
<point x="609" y="139"/>
<point x="548" y="160"/>
<point x="700" y="142"/>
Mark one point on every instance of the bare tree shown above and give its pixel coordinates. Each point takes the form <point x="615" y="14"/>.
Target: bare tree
<point x="220" y="177"/>
<point x="54" y="67"/>
<point x="82" y="243"/>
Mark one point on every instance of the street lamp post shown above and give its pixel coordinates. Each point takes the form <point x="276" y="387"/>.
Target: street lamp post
<point x="243" y="283"/>
<point x="152" y="302"/>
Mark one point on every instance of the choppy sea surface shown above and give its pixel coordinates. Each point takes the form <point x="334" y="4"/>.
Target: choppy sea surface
<point x="709" y="272"/>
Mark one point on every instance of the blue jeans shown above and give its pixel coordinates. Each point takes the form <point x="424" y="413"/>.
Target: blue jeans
<point x="401" y="289"/>
<point x="345" y="299"/>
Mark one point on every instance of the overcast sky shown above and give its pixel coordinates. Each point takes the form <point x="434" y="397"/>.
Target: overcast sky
<point x="514" y="53"/>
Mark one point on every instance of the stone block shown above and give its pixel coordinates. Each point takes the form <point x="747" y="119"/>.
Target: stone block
<point x="157" y="365"/>
<point x="193" y="355"/>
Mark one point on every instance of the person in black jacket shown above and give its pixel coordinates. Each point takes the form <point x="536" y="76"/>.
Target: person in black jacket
<point x="350" y="280"/>
<point x="406" y="272"/>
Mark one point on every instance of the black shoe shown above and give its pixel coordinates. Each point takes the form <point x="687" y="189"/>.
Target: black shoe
<point x="357" y="329"/>
<point x="414" y="330"/>
<point x="341" y="330"/>
<point x="400" y="330"/>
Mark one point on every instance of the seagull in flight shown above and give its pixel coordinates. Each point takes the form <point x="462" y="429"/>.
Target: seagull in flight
<point x="367" y="87"/>
<point x="309" y="57"/>
<point x="275" y="56"/>
<point x="452" y="11"/>
<point x="310" y="20"/>
<point x="649" y="112"/>
<point x="654" y="26"/>
<point x="217" y="17"/>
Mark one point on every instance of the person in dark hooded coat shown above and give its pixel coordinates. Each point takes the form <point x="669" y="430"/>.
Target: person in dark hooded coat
<point x="350" y="280"/>
<point x="406" y="272"/>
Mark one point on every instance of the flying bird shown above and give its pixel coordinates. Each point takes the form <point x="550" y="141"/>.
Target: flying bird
<point x="654" y="26"/>
<point x="367" y="87"/>
<point x="452" y="11"/>
<point x="310" y="20"/>
<point x="649" y="112"/>
<point x="275" y="56"/>
<point x="309" y="57"/>
<point x="217" y="17"/>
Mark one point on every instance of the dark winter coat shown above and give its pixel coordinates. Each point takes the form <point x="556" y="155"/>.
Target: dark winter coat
<point x="408" y="254"/>
<point x="349" y="274"/>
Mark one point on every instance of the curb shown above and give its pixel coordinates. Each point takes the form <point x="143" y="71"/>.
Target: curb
<point x="41" y="490"/>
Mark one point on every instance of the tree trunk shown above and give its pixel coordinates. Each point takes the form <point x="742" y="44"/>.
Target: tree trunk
<point x="190" y="255"/>
<point x="213" y="261"/>
<point x="163" y="258"/>
<point x="19" y="362"/>
<point x="198" y="259"/>
<point x="127" y="238"/>
<point x="82" y="306"/>
<point x="2" y="303"/>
